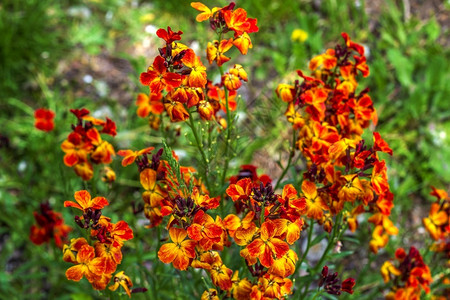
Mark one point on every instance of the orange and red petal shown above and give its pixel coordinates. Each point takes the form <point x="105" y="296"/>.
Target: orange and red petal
<point x="168" y="252"/>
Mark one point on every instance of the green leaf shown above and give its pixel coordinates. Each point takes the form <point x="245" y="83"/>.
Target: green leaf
<point x="402" y="65"/>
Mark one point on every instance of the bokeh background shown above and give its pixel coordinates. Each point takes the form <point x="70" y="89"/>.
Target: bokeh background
<point x="64" y="54"/>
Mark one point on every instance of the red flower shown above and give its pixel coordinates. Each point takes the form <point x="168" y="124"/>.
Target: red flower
<point x="169" y="36"/>
<point x="347" y="285"/>
<point x="158" y="78"/>
<point x="44" y="119"/>
<point x="49" y="225"/>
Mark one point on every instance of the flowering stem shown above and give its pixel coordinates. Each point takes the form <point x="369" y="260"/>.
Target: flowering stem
<point x="308" y="243"/>
<point x="228" y="134"/>
<point x="291" y="155"/>
<point x="199" y="145"/>
<point x="335" y="236"/>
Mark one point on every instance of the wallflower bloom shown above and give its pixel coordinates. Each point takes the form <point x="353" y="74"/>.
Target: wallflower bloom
<point x="84" y="201"/>
<point x="197" y="76"/>
<point x="268" y="244"/>
<point x="149" y="104"/>
<point x="206" y="12"/>
<point x="158" y="78"/>
<point x="130" y="155"/>
<point x="314" y="203"/>
<point x="88" y="266"/>
<point x="44" y="119"/>
<point x="180" y="251"/>
<point x="122" y="280"/>
<point x="50" y="225"/>
<point x="215" y="51"/>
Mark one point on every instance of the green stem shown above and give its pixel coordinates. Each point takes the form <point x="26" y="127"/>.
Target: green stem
<point x="308" y="243"/>
<point x="291" y="155"/>
<point x="228" y="132"/>
<point x="318" y="293"/>
<point x="337" y="231"/>
<point x="335" y="236"/>
<point x="199" y="145"/>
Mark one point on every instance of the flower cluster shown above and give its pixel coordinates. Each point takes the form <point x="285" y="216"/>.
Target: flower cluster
<point x="50" y="225"/>
<point x="438" y="223"/>
<point x="98" y="258"/>
<point x="177" y="78"/>
<point x="328" y="116"/>
<point x="409" y="277"/>
<point x="84" y="146"/>
<point x="44" y="119"/>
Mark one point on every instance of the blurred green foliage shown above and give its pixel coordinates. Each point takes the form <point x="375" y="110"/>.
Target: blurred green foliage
<point x="408" y="82"/>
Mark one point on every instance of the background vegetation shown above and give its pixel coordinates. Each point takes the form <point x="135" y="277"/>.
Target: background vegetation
<point x="65" y="54"/>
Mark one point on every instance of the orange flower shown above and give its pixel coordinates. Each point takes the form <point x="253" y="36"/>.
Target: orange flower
<point x="70" y="251"/>
<point x="387" y="269"/>
<point x="352" y="189"/>
<point x="204" y="200"/>
<point x="112" y="256"/>
<point x="108" y="175"/>
<point x="176" y="111"/>
<point x="290" y="229"/>
<point x="241" y="190"/>
<point x="76" y="149"/>
<point x="210" y="294"/>
<point x="379" y="178"/>
<point x="122" y="280"/>
<point x="197" y="76"/>
<point x="239" y="71"/>
<point x="103" y="150"/>
<point x="328" y="60"/>
<point x="204" y="230"/>
<point x="84" y="169"/>
<point x="241" y="287"/>
<point x="238" y="22"/>
<point x="285" y="92"/>
<point x="352" y="45"/>
<point x="380" y="145"/>
<point x="243" y="43"/>
<point x="88" y="266"/>
<point x="215" y="51"/>
<point x="314" y="203"/>
<point x="119" y="232"/>
<point x="363" y="110"/>
<point x="221" y="275"/>
<point x="205" y="110"/>
<point x="275" y="286"/>
<point x="44" y="119"/>
<point x="206" y="12"/>
<point x="285" y="265"/>
<point x="130" y="156"/>
<point x="436" y="219"/>
<point x="231" y="81"/>
<point x="84" y="201"/>
<point x="148" y="104"/>
<point x="316" y="100"/>
<point x="180" y="251"/>
<point x="268" y="244"/>
<point x="439" y="194"/>
<point x="379" y="239"/>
